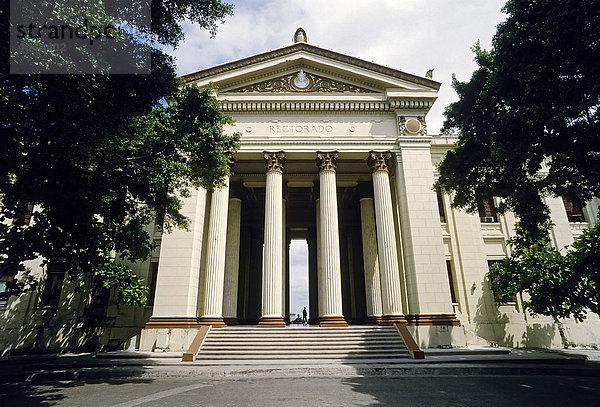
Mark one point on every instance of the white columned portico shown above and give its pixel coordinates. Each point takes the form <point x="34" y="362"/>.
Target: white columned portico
<point x="331" y="290"/>
<point x="370" y="261"/>
<point x="232" y="257"/>
<point x="212" y="311"/>
<point x="272" y="293"/>
<point x="391" y="291"/>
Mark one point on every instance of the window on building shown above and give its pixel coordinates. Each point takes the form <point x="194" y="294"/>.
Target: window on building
<point x="451" y="281"/>
<point x="4" y="282"/>
<point x="100" y="296"/>
<point x="497" y="296"/>
<point x="442" y="212"/>
<point x="95" y="312"/>
<point x="152" y="277"/>
<point x="487" y="211"/>
<point x="52" y="286"/>
<point x="574" y="213"/>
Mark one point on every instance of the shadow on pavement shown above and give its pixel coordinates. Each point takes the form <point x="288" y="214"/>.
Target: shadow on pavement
<point x="27" y="382"/>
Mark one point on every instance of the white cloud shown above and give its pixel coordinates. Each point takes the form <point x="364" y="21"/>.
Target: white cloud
<point x="410" y="35"/>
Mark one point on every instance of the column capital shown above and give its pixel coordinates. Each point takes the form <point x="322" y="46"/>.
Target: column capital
<point x="379" y="160"/>
<point x="327" y="160"/>
<point x="274" y="160"/>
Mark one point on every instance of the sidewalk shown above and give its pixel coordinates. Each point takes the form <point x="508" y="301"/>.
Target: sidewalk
<point x="459" y="361"/>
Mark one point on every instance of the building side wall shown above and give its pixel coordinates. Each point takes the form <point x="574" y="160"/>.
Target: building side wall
<point x="471" y="243"/>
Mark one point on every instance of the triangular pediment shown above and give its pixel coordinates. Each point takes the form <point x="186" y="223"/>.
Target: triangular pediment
<point x="326" y="71"/>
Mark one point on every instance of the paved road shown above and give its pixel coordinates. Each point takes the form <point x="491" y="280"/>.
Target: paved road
<point x="310" y="391"/>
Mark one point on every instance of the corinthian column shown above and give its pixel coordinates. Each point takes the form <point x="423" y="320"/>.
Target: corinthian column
<point x="330" y="300"/>
<point x="212" y="313"/>
<point x="232" y="261"/>
<point x="391" y="294"/>
<point x="370" y="261"/>
<point x="272" y="302"/>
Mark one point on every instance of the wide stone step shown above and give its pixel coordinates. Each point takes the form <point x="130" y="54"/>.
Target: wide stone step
<point x="304" y="362"/>
<point x="324" y="356"/>
<point x="312" y="329"/>
<point x="301" y="339"/>
<point x="291" y="347"/>
<point x="249" y="345"/>
<point x="321" y="334"/>
<point x="335" y="330"/>
<point x="288" y="352"/>
<point x="300" y="335"/>
<point x="307" y="342"/>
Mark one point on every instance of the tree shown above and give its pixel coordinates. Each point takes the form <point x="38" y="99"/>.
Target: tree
<point x="529" y="117"/>
<point x="555" y="285"/>
<point x="92" y="159"/>
<point x="529" y="126"/>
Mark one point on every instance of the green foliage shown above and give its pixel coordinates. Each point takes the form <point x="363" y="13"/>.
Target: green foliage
<point x="130" y="287"/>
<point x="100" y="157"/>
<point x="556" y="285"/>
<point x="529" y="117"/>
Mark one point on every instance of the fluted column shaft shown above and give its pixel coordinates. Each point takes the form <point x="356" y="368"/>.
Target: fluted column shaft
<point x="391" y="292"/>
<point x="284" y="263"/>
<point x="232" y="261"/>
<point x="212" y="311"/>
<point x="370" y="261"/>
<point x="272" y="302"/>
<point x="331" y="290"/>
<point x="320" y="280"/>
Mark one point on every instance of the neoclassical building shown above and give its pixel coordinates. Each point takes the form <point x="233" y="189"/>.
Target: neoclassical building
<point x="333" y="150"/>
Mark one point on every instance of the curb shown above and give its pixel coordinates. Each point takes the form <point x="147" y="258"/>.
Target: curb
<point x="128" y="373"/>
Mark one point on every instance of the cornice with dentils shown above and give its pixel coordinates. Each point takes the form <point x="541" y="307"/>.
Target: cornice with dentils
<point x="301" y="46"/>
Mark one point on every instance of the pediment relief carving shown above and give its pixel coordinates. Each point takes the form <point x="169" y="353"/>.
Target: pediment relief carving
<point x="300" y="82"/>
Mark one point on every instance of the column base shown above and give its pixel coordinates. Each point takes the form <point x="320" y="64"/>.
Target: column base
<point x="172" y="323"/>
<point x="215" y="322"/>
<point x="271" y="322"/>
<point x="388" y="320"/>
<point x="374" y="320"/>
<point x="332" y="321"/>
<point x="432" y="319"/>
<point x="231" y="321"/>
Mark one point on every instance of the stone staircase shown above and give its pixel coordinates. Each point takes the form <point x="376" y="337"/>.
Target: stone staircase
<point x="303" y="345"/>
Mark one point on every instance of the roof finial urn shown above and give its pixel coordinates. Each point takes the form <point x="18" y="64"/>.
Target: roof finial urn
<point x="300" y="36"/>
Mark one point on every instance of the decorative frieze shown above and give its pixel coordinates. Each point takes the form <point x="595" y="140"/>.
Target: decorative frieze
<point x="327" y="160"/>
<point x="300" y="82"/>
<point x="274" y="161"/>
<point x="379" y="161"/>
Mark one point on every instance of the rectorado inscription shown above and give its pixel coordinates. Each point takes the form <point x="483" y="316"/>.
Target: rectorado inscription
<point x="301" y="129"/>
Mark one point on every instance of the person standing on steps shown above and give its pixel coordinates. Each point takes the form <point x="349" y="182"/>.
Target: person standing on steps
<point x="304" y="315"/>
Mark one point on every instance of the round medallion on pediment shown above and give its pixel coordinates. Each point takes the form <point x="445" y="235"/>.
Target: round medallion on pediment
<point x="413" y="126"/>
<point x="301" y="81"/>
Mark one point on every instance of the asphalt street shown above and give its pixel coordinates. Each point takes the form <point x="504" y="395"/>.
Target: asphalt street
<point x="308" y="391"/>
